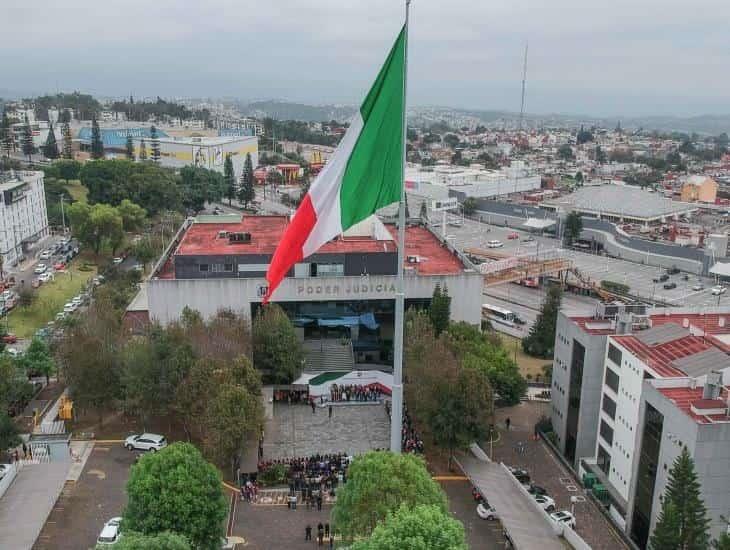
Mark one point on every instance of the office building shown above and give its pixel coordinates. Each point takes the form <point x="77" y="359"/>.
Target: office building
<point x="23" y="215"/>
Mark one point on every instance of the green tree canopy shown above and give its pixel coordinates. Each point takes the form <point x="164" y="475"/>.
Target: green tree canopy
<point x="37" y="359"/>
<point x="469" y="205"/>
<point x="96" y="225"/>
<point x="565" y="152"/>
<point x="129" y="148"/>
<point x="440" y="309"/>
<point x="573" y="226"/>
<point x="7" y="140"/>
<point x="68" y="169"/>
<point x="176" y="490"/>
<point x="9" y="433"/>
<point x="246" y="193"/>
<point x="155" y="144"/>
<point x="683" y="513"/>
<point x="229" y="178"/>
<point x="380" y="482"/>
<point x="200" y="185"/>
<point x="67" y="142"/>
<point x="97" y="145"/>
<point x="277" y="352"/>
<point x="540" y="342"/>
<point x="422" y="527"/>
<point x="165" y="540"/>
<point x="133" y="215"/>
<point x="50" y="149"/>
<point x="27" y="140"/>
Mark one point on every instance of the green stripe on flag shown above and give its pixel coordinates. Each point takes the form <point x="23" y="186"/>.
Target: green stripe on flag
<point x="372" y="178"/>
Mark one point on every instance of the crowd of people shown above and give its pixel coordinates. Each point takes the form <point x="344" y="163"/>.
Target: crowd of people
<point x="355" y="392"/>
<point x="411" y="441"/>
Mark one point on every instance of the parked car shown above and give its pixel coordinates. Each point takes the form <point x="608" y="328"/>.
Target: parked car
<point x="563" y="517"/>
<point x="70" y="307"/>
<point x="528" y="239"/>
<point x="12" y="352"/>
<point x="673" y="270"/>
<point x="485" y="511"/>
<point x="78" y="300"/>
<point x="513" y="236"/>
<point x="61" y="315"/>
<point x="145" y="442"/>
<point x="545" y="502"/>
<point x="661" y="278"/>
<point x="522" y="475"/>
<point x="10" y="338"/>
<point x="494" y="244"/>
<point x="4" y="469"/>
<point x="45" y="255"/>
<point x="519" y="320"/>
<point x="45" y="277"/>
<point x="717" y="290"/>
<point x="536" y="490"/>
<point x="59" y="266"/>
<point x="670" y="286"/>
<point x="40" y="268"/>
<point x="117" y="260"/>
<point x="698" y="286"/>
<point x="110" y="533"/>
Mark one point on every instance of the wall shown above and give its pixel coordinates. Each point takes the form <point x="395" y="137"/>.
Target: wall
<point x="168" y="297"/>
<point x="25" y="218"/>
<point x="6" y="481"/>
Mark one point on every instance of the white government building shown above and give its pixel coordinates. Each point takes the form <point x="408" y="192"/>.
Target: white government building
<point x="23" y="215"/>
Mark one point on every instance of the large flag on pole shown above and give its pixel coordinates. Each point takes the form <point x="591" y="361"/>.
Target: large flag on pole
<point x="363" y="175"/>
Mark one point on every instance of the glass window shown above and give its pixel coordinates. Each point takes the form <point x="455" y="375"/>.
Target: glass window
<point x="204" y="267"/>
<point x="612" y="379"/>
<point x="614" y="354"/>
<point x="606" y="432"/>
<point x="330" y="270"/>
<point x="609" y="406"/>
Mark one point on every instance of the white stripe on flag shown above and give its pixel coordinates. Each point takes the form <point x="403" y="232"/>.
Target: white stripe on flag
<point x="325" y="191"/>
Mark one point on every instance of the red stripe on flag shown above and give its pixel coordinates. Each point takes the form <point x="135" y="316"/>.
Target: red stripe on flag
<point x="289" y="250"/>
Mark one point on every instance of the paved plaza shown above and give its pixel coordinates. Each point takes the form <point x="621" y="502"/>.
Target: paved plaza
<point x="353" y="429"/>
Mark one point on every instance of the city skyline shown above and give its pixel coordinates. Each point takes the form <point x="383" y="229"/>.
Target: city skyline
<point x="596" y="61"/>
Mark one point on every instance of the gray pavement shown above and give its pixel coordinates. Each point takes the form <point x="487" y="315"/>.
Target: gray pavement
<point x="28" y="501"/>
<point x="353" y="429"/>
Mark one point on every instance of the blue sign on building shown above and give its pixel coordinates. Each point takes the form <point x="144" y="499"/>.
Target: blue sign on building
<point x="116" y="138"/>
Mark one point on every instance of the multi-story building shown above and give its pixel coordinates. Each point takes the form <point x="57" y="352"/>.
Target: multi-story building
<point x="23" y="215"/>
<point x="615" y="376"/>
<point x="346" y="289"/>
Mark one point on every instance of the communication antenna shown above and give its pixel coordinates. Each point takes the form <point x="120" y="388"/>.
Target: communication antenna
<point x="524" y="81"/>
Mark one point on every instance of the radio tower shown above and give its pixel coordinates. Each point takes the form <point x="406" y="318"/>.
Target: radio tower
<point x="524" y="81"/>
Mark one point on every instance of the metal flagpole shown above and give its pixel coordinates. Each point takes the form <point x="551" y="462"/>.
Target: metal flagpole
<point x="396" y="415"/>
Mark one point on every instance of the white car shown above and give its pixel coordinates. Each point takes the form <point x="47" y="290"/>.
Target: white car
<point x="545" y="502"/>
<point x="40" y="268"/>
<point x="6" y="295"/>
<point x="70" y="307"/>
<point x="485" y="511"/>
<point x="12" y="352"/>
<point x="717" y="290"/>
<point x="698" y="286"/>
<point x="78" y="300"/>
<point x="145" y="442"/>
<point x="494" y="244"/>
<point x="563" y="517"/>
<point x="45" y="277"/>
<point x="4" y="469"/>
<point x="111" y="533"/>
<point x="117" y="261"/>
<point x="45" y="255"/>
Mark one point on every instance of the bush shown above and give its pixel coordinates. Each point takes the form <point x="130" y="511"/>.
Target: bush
<point x="613" y="286"/>
<point x="274" y="475"/>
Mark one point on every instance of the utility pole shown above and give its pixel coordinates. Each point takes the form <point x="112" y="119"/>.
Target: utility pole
<point x="524" y="81"/>
<point x="63" y="216"/>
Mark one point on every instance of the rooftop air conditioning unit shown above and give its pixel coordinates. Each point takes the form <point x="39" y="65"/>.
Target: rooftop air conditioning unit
<point x="413" y="259"/>
<point x="222" y="234"/>
<point x="238" y="237"/>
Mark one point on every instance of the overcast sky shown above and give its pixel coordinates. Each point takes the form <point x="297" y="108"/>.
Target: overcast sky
<point x="623" y="57"/>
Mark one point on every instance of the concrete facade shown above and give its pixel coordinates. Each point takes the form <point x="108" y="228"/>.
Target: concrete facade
<point x="23" y="214"/>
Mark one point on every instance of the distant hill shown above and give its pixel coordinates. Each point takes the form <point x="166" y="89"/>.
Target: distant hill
<point x="285" y="110"/>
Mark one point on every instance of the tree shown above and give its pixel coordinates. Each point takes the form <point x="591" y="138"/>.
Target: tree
<point x="142" y="150"/>
<point x="440" y="309"/>
<point x="277" y="352"/>
<point x="246" y="193"/>
<point x="584" y="136"/>
<point x="579" y="178"/>
<point x="422" y="527"/>
<point x="155" y="144"/>
<point x="67" y="143"/>
<point x="97" y="145"/>
<point x="200" y="185"/>
<point x="144" y="251"/>
<point x="7" y="141"/>
<point x="600" y="155"/>
<point x="37" y="359"/>
<point x="176" y="490"/>
<point x="683" y="512"/>
<point x="229" y="178"/>
<point x="469" y="206"/>
<point x="565" y="152"/>
<point x="133" y="215"/>
<point x="165" y="540"/>
<point x="723" y="543"/>
<point x="378" y="483"/>
<point x="9" y="433"/>
<point x="573" y="227"/>
<point x="68" y="169"/>
<point x="129" y="148"/>
<point x="28" y="145"/>
<point x="540" y="341"/>
<point x="50" y="149"/>
<point x="96" y="225"/>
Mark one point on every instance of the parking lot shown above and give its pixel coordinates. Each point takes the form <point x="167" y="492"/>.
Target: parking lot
<point x="638" y="276"/>
<point x="84" y="506"/>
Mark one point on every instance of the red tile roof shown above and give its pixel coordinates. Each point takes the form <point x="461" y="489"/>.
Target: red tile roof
<point x="711" y="323"/>
<point x="659" y="357"/>
<point x="685" y="398"/>
<point x="266" y="233"/>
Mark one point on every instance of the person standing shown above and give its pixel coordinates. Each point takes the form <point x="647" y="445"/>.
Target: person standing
<point x="308" y="532"/>
<point x="507" y="422"/>
<point x="327" y="530"/>
<point x="330" y="411"/>
<point x="311" y="402"/>
<point x="319" y="502"/>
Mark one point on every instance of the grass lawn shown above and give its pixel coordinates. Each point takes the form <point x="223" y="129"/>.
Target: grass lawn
<point x="526" y="363"/>
<point x="77" y="191"/>
<point x="49" y="300"/>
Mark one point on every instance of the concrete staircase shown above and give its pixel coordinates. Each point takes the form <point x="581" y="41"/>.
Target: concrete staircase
<point x="328" y="355"/>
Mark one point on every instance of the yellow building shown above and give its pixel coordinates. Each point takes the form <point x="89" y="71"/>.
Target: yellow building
<point x="699" y="189"/>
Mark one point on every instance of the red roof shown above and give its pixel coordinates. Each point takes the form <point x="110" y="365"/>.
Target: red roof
<point x="590" y="325"/>
<point x="202" y="239"/>
<point x="685" y="398"/>
<point x="711" y="323"/>
<point x="659" y="357"/>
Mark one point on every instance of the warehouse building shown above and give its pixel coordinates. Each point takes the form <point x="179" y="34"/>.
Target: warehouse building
<point x="341" y="298"/>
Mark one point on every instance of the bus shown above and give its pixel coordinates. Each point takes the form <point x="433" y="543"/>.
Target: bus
<point x="499" y="315"/>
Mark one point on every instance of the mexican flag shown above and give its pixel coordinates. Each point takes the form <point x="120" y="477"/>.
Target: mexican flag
<point x="363" y="175"/>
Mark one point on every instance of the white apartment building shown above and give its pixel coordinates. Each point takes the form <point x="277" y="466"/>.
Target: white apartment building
<point x="23" y="215"/>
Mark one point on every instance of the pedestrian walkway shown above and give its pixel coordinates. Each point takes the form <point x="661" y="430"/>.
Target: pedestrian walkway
<point x="25" y="506"/>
